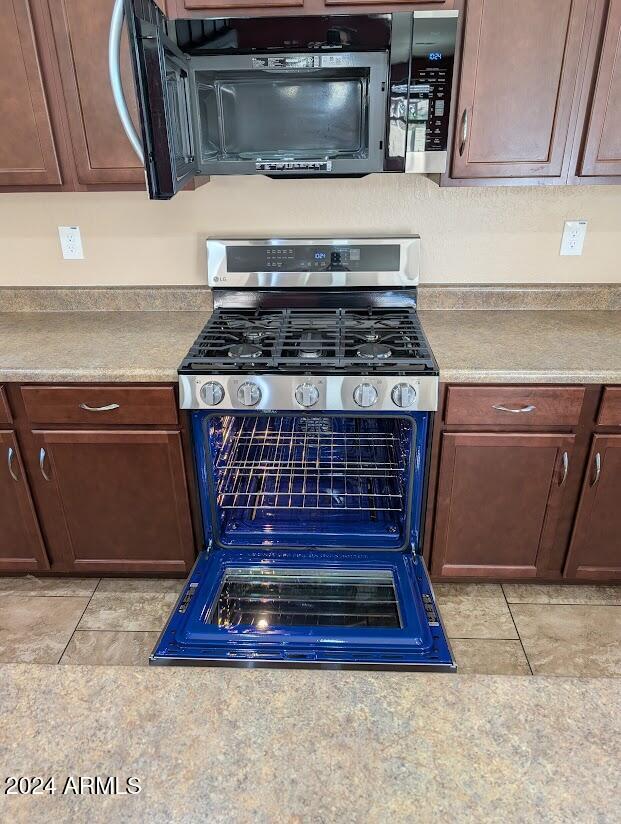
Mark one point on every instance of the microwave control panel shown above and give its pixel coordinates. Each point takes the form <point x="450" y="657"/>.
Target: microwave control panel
<point x="428" y="113"/>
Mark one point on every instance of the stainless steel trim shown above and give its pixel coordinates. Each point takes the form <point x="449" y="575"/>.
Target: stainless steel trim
<point x="436" y="13"/>
<point x="114" y="69"/>
<point x="598" y="468"/>
<point x="219" y="276"/>
<point x="42" y="464"/>
<point x="425" y="162"/>
<point x="107" y="408"/>
<point x="565" y="469"/>
<point x="464" y="131"/>
<point x="336" y="392"/>
<point x="500" y="408"/>
<point x="9" y="459"/>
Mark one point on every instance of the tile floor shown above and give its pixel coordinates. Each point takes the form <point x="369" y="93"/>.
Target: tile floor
<point x="513" y="629"/>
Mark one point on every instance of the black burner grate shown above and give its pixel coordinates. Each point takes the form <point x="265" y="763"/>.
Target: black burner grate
<point x="317" y="340"/>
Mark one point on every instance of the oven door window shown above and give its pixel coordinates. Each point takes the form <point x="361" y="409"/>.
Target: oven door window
<point x="314" y="608"/>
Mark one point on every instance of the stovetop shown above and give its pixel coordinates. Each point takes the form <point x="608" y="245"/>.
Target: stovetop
<point x="360" y="341"/>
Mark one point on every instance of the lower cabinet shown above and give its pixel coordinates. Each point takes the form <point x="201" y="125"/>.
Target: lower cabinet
<point x="498" y="502"/>
<point x="114" y="501"/>
<point x="21" y="544"/>
<point x="595" y="549"/>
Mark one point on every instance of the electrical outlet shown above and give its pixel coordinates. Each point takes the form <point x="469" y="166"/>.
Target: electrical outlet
<point x="573" y="237"/>
<point x="71" y="242"/>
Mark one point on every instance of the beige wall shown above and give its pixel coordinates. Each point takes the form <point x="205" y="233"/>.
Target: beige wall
<point x="483" y="235"/>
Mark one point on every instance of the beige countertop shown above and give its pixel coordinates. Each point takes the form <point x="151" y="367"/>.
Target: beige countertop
<point x="526" y="346"/>
<point x="298" y="745"/>
<point x="470" y="346"/>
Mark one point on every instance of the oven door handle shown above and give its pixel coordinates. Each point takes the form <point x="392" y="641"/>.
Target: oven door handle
<point x="114" y="68"/>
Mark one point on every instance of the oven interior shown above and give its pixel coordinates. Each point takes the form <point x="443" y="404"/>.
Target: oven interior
<point x="311" y="480"/>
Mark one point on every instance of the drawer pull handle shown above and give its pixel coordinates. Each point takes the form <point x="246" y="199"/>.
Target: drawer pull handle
<point x="565" y="468"/>
<point x="107" y="408"/>
<point x="42" y="464"/>
<point x="10" y="459"/>
<point x="500" y="408"/>
<point x="598" y="468"/>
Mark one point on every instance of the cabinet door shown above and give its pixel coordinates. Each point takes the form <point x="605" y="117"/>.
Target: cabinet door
<point x="519" y="71"/>
<point x="27" y="151"/>
<point x="207" y="5"/>
<point x="595" y="549"/>
<point x="602" y="149"/>
<point x="114" y="501"/>
<point x="21" y="545"/>
<point x="498" y="503"/>
<point x="103" y="154"/>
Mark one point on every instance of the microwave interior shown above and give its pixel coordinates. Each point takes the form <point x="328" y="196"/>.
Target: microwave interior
<point x="309" y="480"/>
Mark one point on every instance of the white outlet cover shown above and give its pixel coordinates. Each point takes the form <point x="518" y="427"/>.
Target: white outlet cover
<point x="574" y="233"/>
<point x="71" y="242"/>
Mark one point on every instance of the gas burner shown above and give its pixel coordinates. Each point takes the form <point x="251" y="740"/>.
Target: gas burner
<point x="244" y="350"/>
<point x="254" y="334"/>
<point x="310" y="346"/>
<point x="374" y="351"/>
<point x="370" y="335"/>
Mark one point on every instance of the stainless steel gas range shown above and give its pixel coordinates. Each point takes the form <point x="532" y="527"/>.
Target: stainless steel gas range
<point x="312" y="390"/>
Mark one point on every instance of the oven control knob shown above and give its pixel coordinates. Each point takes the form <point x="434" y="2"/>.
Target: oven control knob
<point x="212" y="393"/>
<point x="403" y="395"/>
<point x="307" y="394"/>
<point x="365" y="395"/>
<point x="249" y="394"/>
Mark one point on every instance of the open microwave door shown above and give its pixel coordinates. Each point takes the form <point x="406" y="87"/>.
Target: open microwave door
<point x="163" y="87"/>
<point x="310" y="608"/>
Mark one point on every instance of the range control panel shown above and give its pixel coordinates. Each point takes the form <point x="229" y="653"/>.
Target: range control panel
<point x="314" y="257"/>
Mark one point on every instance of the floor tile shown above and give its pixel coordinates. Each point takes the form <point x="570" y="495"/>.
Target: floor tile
<point x="31" y="585"/>
<point x="128" y="611"/>
<point x="575" y="640"/>
<point x="141" y="585"/>
<point x="474" y="611"/>
<point x="562" y="594"/>
<point x="37" y="630"/>
<point x="110" y="648"/>
<point x="489" y="657"/>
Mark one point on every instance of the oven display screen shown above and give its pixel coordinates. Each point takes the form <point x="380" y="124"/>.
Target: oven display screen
<point x="314" y="258"/>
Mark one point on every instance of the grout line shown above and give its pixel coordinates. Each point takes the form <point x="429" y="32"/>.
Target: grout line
<point x="517" y="630"/>
<point x="75" y="629"/>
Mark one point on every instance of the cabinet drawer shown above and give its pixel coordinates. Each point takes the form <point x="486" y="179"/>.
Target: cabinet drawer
<point x="101" y="405"/>
<point x="610" y="410"/>
<point x="5" y="412"/>
<point x="514" y="405"/>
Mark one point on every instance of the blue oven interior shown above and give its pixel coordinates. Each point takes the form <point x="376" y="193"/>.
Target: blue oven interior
<point x="311" y="524"/>
<point x="311" y="480"/>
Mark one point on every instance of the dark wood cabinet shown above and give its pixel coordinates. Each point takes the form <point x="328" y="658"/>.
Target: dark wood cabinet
<point x="114" y="501"/>
<point x="600" y="152"/>
<point x="595" y="549"/>
<point x="21" y="544"/>
<point x="28" y="155"/>
<point x="103" y="154"/>
<point x="498" y="502"/>
<point x="520" y="67"/>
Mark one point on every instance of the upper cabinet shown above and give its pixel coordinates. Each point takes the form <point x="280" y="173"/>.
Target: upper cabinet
<point x="520" y="64"/>
<point x="103" y="154"/>
<point x="598" y="146"/>
<point x="28" y="154"/>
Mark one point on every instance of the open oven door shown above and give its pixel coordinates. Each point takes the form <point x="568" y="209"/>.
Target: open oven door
<point x="310" y="608"/>
<point x="162" y="78"/>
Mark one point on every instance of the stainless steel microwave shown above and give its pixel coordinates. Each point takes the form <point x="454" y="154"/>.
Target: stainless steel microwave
<point x="316" y="96"/>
